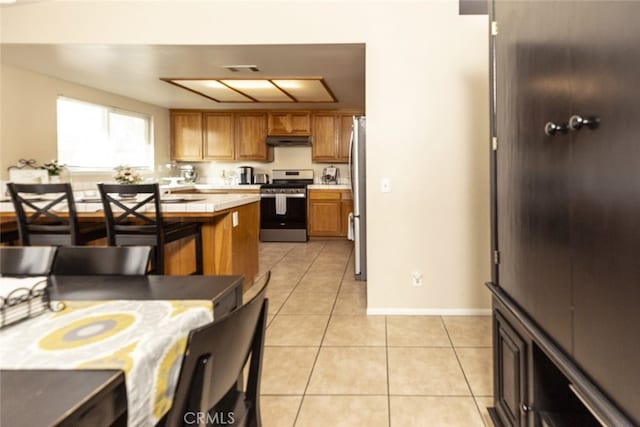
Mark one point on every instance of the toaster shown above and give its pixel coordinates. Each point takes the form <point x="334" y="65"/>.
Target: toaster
<point x="261" y="178"/>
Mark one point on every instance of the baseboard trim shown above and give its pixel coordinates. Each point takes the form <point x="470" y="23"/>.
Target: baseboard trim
<point x="429" y="311"/>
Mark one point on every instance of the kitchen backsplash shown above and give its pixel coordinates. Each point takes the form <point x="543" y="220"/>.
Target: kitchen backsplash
<point x="284" y="158"/>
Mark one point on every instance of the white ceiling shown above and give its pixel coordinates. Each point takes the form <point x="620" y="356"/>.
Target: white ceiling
<point x="134" y="70"/>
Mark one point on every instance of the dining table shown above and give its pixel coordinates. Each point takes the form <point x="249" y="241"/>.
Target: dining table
<point x="109" y="351"/>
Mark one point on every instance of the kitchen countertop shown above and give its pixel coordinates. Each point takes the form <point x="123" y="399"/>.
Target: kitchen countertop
<point x="184" y="187"/>
<point x="191" y="203"/>
<point x="329" y="187"/>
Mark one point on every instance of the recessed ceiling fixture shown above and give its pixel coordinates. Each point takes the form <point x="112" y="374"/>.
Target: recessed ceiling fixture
<point x="238" y="68"/>
<point x="294" y="89"/>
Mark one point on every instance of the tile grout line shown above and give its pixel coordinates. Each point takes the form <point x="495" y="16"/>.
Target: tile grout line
<point x="473" y="397"/>
<point x="278" y="311"/>
<point x="324" y="333"/>
<point x="386" y="345"/>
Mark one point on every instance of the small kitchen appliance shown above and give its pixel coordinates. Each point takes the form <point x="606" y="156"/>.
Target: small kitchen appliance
<point x="188" y="173"/>
<point x="330" y="175"/>
<point x="245" y="175"/>
<point x="261" y="178"/>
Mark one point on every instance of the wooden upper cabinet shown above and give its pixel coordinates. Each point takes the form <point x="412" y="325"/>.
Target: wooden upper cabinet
<point x="344" y="138"/>
<point x="325" y="132"/>
<point x="219" y="135"/>
<point x="219" y="141"/>
<point x="251" y="131"/>
<point x="289" y="123"/>
<point x="332" y="136"/>
<point x="186" y="135"/>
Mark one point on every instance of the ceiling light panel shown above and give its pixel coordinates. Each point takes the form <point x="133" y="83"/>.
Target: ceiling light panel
<point x="213" y="89"/>
<point x="306" y="90"/>
<point x="260" y="90"/>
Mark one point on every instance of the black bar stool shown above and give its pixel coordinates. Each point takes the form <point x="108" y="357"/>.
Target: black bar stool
<point x="130" y="221"/>
<point x="47" y="215"/>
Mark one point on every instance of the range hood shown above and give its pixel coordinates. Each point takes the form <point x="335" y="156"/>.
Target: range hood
<point x="289" y="141"/>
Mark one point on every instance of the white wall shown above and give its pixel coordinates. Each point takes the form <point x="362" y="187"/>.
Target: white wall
<point x="427" y="117"/>
<point x="28" y="117"/>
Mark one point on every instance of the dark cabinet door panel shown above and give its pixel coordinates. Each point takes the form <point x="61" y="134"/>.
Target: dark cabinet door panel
<point x="510" y="360"/>
<point x="605" y="188"/>
<point x="533" y="87"/>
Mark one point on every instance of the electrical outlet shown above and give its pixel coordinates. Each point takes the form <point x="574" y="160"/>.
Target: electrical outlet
<point x="416" y="279"/>
<point x="234" y="218"/>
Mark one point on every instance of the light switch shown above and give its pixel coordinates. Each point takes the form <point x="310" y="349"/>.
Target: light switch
<point x="234" y="219"/>
<point x="385" y="185"/>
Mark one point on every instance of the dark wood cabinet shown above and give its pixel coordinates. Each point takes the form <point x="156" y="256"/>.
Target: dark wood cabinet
<point x="566" y="198"/>
<point x="510" y="385"/>
<point x="534" y="169"/>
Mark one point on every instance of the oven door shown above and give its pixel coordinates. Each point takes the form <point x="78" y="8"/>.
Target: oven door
<point x="284" y="225"/>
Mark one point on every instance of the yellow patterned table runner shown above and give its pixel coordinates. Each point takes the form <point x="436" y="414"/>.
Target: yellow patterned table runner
<point x="145" y="339"/>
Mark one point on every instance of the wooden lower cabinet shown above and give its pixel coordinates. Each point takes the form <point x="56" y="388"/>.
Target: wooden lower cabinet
<point x="328" y="213"/>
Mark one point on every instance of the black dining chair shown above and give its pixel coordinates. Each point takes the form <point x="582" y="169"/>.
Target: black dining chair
<point x="26" y="260"/>
<point x="214" y="359"/>
<point x="46" y="215"/>
<point x="101" y="260"/>
<point x="131" y="223"/>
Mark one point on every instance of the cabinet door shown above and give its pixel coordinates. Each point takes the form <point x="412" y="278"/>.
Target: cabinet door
<point x="186" y="135"/>
<point x="289" y="123"/>
<point x="533" y="71"/>
<point x="344" y="138"/>
<point x="278" y="123"/>
<point x="510" y="377"/>
<point x="325" y="210"/>
<point x="218" y="136"/>
<point x="251" y="131"/>
<point x="606" y="198"/>
<point x="323" y="147"/>
<point x="300" y="123"/>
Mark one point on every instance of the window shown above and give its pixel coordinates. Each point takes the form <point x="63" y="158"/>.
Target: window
<point x="95" y="137"/>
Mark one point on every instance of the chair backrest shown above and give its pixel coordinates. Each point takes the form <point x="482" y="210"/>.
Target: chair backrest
<point x="103" y="260"/>
<point x="215" y="356"/>
<point x="130" y="216"/>
<point x="26" y="260"/>
<point x="38" y="208"/>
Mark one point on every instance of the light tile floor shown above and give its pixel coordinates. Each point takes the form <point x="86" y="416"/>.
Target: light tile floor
<point x="327" y="363"/>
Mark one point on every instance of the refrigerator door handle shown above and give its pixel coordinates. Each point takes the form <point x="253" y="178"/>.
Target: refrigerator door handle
<point x="351" y="160"/>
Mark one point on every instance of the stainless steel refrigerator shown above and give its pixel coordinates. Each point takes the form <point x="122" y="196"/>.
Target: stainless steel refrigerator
<point x="358" y="220"/>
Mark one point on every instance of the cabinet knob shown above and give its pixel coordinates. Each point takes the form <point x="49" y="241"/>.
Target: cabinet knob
<point x="526" y="408"/>
<point x="551" y="128"/>
<point x="576" y="122"/>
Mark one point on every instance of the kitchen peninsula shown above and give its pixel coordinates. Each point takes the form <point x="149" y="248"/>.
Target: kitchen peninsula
<point x="230" y="227"/>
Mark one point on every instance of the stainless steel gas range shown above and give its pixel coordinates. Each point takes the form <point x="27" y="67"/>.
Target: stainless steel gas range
<point x="283" y="206"/>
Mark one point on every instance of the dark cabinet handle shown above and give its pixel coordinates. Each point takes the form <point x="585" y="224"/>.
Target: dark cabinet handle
<point x="576" y="122"/>
<point x="551" y="128"/>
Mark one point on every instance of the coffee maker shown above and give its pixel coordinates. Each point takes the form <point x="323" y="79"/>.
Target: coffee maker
<point x="245" y="175"/>
<point x="330" y="175"/>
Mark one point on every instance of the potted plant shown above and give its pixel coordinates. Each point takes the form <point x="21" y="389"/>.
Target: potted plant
<point x="54" y="169"/>
<point x="127" y="175"/>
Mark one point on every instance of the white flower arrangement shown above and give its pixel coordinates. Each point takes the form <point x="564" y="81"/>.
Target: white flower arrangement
<point x="53" y="167"/>
<point x="127" y="175"/>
